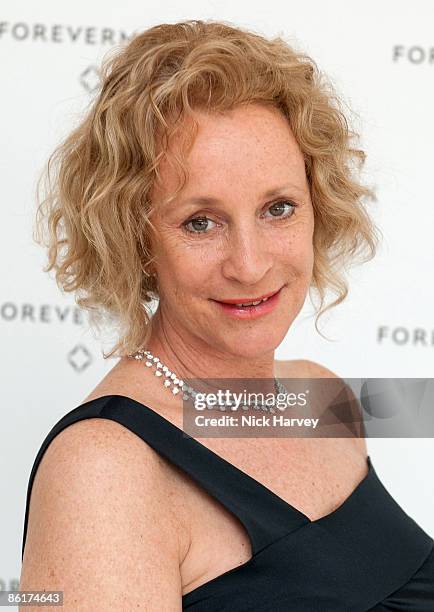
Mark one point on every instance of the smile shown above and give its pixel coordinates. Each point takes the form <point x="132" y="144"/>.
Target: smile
<point x="253" y="303"/>
<point x="241" y="309"/>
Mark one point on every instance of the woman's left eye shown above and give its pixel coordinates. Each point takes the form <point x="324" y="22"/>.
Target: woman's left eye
<point x="279" y="208"/>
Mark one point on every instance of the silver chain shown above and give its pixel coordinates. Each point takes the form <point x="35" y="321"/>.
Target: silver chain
<point x="176" y="385"/>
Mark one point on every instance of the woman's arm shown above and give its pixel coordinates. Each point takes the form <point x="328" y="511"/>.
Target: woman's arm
<point x="101" y="526"/>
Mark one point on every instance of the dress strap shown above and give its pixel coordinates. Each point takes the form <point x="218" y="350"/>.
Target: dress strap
<point x="265" y="516"/>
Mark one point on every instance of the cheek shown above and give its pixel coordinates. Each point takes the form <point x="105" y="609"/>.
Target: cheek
<point x="183" y="271"/>
<point x="298" y="254"/>
<point x="173" y="257"/>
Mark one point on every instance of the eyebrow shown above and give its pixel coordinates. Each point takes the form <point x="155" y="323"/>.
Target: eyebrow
<point x="210" y="200"/>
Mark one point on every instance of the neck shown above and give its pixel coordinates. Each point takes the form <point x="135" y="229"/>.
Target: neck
<point x="191" y="357"/>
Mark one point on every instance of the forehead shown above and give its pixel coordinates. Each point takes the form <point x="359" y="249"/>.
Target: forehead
<point x="250" y="145"/>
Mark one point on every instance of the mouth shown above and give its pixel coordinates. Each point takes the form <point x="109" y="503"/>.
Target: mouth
<point x="247" y="308"/>
<point x="249" y="301"/>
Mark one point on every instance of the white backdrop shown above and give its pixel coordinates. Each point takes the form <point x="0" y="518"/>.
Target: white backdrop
<point x="380" y="56"/>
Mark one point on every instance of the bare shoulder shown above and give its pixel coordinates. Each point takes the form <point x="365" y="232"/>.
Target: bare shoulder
<point x="305" y="368"/>
<point x="99" y="510"/>
<point x="95" y="442"/>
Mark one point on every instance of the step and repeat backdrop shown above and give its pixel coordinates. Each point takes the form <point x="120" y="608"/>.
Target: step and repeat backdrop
<point x="380" y="59"/>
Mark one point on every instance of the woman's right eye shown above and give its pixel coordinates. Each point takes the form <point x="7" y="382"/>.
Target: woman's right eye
<point x="200" y="223"/>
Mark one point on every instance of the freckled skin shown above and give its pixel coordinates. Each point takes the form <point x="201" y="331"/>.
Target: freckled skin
<point x="241" y="251"/>
<point x="129" y="512"/>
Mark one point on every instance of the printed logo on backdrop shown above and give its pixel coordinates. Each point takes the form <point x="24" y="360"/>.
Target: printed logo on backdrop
<point x="40" y="313"/>
<point x="404" y="336"/>
<point x="38" y="33"/>
<point x="22" y="31"/>
<point x="413" y="54"/>
<point x="79" y="357"/>
<point x="90" y="79"/>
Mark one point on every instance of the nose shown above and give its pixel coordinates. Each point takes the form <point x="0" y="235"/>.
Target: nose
<point x="248" y="255"/>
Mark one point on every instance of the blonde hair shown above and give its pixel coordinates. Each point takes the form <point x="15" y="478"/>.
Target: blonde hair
<point x="95" y="204"/>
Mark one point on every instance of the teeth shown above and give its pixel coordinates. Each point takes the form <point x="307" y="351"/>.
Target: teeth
<point x="253" y="303"/>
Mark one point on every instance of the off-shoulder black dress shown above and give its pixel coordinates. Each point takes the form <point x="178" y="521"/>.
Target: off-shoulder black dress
<point x="368" y="554"/>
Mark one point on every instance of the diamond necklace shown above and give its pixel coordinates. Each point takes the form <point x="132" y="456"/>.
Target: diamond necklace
<point x="175" y="384"/>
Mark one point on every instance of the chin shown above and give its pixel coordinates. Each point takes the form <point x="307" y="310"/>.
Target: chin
<point x="251" y="345"/>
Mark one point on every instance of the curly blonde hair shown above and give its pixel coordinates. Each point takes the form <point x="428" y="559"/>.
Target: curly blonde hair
<point x="95" y="203"/>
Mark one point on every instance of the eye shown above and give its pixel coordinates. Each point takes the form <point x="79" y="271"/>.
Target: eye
<point x="199" y="223"/>
<point x="279" y="207"/>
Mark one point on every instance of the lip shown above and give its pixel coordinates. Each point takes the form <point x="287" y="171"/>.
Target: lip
<point x="246" y="300"/>
<point x="250" y="312"/>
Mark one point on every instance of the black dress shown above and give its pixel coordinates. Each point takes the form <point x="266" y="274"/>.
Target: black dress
<point x="368" y="554"/>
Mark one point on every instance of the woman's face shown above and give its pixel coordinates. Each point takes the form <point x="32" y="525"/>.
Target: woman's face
<point x="242" y="227"/>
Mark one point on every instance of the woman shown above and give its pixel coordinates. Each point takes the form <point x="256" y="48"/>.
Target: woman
<point x="127" y="512"/>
